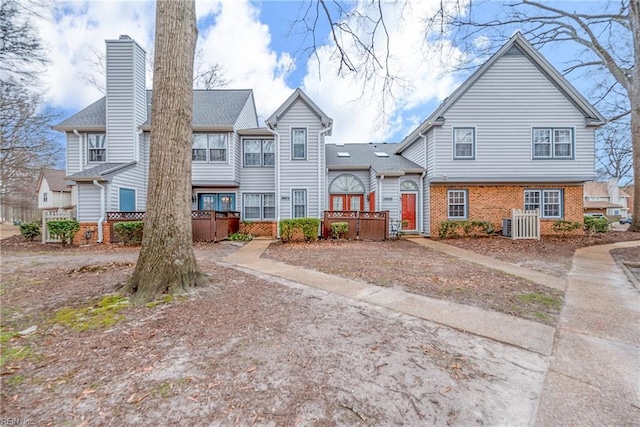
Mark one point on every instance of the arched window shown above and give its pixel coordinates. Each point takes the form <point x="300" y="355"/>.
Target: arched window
<point x="346" y="184"/>
<point x="408" y="186"/>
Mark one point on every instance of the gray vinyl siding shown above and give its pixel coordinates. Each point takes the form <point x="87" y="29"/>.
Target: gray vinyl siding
<point x="236" y="160"/>
<point x="390" y="190"/>
<point x="88" y="209"/>
<point x="362" y="175"/>
<point x="126" y="98"/>
<point x="133" y="178"/>
<point x="144" y="164"/>
<point x="431" y="153"/>
<point x="373" y="185"/>
<point x="217" y="171"/>
<point x="416" y="152"/>
<point x="74" y="163"/>
<point x="300" y="174"/>
<point x="426" y="207"/>
<point x="510" y="99"/>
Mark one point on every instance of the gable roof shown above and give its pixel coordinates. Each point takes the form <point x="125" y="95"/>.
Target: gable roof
<point x="299" y="94"/>
<point x="55" y="180"/>
<point x="211" y="108"/>
<point x="362" y="156"/>
<point x="517" y="41"/>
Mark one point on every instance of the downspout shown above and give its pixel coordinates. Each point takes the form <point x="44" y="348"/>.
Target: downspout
<point x="137" y="147"/>
<point x="421" y="184"/>
<point x="379" y="198"/>
<point x="102" y="209"/>
<point x="276" y="140"/>
<point x="321" y="190"/>
<point x="80" y="153"/>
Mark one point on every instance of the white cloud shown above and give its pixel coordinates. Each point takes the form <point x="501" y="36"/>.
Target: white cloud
<point x="359" y="110"/>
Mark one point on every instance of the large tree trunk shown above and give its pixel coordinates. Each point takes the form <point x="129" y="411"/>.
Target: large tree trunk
<point x="634" y="98"/>
<point x="167" y="262"/>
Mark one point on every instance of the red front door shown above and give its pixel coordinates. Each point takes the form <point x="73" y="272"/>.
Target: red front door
<point x="409" y="211"/>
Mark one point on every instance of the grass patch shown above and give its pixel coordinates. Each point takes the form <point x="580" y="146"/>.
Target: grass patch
<point x="546" y="300"/>
<point x="542" y="316"/>
<point x="14" y="380"/>
<point x="102" y="314"/>
<point x="164" y="300"/>
<point x="11" y="353"/>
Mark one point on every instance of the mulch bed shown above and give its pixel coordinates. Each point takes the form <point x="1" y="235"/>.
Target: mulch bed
<point x="414" y="268"/>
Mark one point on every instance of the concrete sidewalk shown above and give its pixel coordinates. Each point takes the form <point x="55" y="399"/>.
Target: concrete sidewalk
<point x="501" y="327"/>
<point x="496" y="264"/>
<point x="594" y="375"/>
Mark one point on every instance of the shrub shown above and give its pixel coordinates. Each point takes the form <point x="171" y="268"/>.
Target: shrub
<point x="63" y="229"/>
<point x="339" y="230"/>
<point x="563" y="227"/>
<point x="451" y="229"/>
<point x="245" y="237"/>
<point x="307" y="226"/>
<point x="129" y="232"/>
<point x="30" y="230"/>
<point x="596" y="225"/>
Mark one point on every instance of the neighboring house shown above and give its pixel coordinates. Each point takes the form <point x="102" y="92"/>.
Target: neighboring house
<point x="516" y="134"/>
<point x="606" y="198"/>
<point x="54" y="192"/>
<point x="629" y="189"/>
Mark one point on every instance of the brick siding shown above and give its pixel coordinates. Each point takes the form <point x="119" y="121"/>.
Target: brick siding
<point x="494" y="202"/>
<point x="79" y="239"/>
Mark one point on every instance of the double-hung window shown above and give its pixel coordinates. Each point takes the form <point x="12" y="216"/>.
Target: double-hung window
<point x="548" y="202"/>
<point x="259" y="206"/>
<point x="217" y="147"/>
<point x="457" y="207"/>
<point x="44" y="197"/>
<point x="550" y="143"/>
<point x="298" y="143"/>
<point x="464" y="143"/>
<point x="97" y="148"/>
<point x="210" y="147"/>
<point x="299" y="203"/>
<point x="259" y="152"/>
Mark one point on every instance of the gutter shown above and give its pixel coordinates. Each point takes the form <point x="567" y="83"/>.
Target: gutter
<point x="421" y="198"/>
<point x="102" y="210"/>
<point x="321" y="194"/>
<point x="276" y="140"/>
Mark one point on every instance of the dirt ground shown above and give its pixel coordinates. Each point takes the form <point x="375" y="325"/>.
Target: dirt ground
<point x="8" y="230"/>
<point x="246" y="350"/>
<point x="414" y="268"/>
<point x="550" y="255"/>
<point x="630" y="257"/>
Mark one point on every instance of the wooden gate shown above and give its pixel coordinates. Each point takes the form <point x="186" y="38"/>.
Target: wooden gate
<point x="362" y="225"/>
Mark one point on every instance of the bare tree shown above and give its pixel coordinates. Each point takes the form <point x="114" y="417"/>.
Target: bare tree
<point x="167" y="262"/>
<point x="615" y="153"/>
<point x="26" y="142"/>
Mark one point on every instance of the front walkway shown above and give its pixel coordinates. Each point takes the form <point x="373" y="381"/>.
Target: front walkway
<point x="501" y="327"/>
<point x="594" y="375"/>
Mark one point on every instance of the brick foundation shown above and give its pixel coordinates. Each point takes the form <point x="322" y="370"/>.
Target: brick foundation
<point x="494" y="202"/>
<point x="265" y="228"/>
<point x="79" y="239"/>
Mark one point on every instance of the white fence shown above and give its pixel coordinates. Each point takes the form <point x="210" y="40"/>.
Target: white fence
<point x="53" y="216"/>
<point x="525" y="224"/>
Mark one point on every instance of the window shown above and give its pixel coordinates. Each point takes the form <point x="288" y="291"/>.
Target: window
<point x="299" y="202"/>
<point x="298" y="144"/>
<point x="97" y="147"/>
<point x="259" y="152"/>
<point x="44" y="197"/>
<point x="199" y="148"/>
<point x="552" y="143"/>
<point x="463" y="143"/>
<point x="259" y="206"/>
<point x="548" y="202"/>
<point x="214" y="143"/>
<point x="217" y="147"/>
<point x="457" y="204"/>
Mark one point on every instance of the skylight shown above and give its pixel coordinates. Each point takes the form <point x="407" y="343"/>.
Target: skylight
<point x="343" y="154"/>
<point x="381" y="154"/>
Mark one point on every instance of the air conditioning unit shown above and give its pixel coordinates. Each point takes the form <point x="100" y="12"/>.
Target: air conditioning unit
<point x="506" y="227"/>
